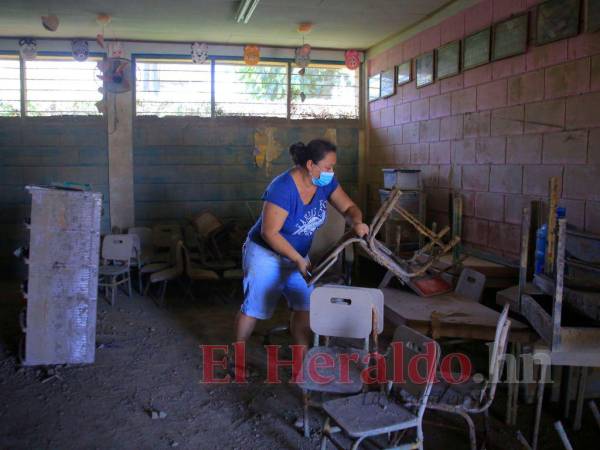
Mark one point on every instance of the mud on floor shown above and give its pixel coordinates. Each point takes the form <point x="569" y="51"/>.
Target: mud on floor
<point x="148" y="361"/>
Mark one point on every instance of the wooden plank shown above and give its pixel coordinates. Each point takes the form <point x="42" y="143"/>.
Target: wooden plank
<point x="525" y="225"/>
<point x="457" y="211"/>
<point x="560" y="274"/>
<point x="539" y="319"/>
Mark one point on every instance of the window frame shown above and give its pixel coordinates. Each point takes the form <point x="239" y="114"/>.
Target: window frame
<point x="49" y="55"/>
<point x="215" y="58"/>
<point x="21" y="79"/>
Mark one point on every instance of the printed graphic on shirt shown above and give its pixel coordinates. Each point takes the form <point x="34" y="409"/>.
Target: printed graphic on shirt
<point x="312" y="220"/>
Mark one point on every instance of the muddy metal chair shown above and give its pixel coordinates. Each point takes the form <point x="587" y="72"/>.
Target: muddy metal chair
<point x="392" y="412"/>
<point x="117" y="251"/>
<point x="209" y="229"/>
<point x="474" y="396"/>
<point x="170" y="273"/>
<point x="403" y="269"/>
<point x="339" y="312"/>
<point x="196" y="273"/>
<point x="470" y="284"/>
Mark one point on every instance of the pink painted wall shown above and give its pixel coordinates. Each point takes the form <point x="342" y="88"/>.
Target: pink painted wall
<point x="495" y="133"/>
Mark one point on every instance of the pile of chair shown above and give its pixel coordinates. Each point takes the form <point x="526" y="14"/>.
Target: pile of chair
<point x="404" y="269"/>
<point x="166" y="253"/>
<point x="385" y="410"/>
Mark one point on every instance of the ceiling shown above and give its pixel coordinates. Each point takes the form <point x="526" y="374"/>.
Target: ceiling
<point x="337" y="23"/>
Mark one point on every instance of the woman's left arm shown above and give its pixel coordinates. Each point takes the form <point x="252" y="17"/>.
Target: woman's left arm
<point x="344" y="204"/>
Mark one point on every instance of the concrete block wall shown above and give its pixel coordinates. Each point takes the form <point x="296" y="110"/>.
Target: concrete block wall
<point x="495" y="133"/>
<point x="185" y="165"/>
<point x="40" y="151"/>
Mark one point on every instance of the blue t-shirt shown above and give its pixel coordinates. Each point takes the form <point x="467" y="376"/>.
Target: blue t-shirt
<point x="302" y="220"/>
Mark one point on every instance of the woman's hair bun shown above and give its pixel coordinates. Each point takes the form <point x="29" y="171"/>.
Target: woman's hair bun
<point x="298" y="151"/>
<point x="315" y="151"/>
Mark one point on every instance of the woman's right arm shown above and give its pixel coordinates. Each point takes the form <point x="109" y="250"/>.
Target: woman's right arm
<point x="273" y="218"/>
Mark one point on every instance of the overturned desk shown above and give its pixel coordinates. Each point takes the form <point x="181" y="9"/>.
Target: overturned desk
<point x="448" y="315"/>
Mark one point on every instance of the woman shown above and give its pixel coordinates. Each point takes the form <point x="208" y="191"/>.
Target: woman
<point x="275" y="253"/>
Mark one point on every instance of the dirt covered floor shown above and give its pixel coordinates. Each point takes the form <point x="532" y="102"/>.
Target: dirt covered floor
<point x="148" y="360"/>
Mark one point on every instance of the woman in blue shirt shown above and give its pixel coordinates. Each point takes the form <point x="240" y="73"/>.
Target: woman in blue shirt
<point x="275" y="252"/>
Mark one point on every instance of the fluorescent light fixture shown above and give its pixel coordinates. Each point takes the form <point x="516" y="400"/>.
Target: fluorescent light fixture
<point x="245" y="10"/>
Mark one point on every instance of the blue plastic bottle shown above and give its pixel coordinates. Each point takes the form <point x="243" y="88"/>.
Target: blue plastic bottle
<point x="540" y="248"/>
<point x="541" y="241"/>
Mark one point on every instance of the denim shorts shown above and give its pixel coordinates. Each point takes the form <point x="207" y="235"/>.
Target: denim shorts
<point x="268" y="276"/>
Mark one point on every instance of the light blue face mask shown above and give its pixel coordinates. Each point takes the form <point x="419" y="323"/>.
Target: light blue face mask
<point x="324" y="179"/>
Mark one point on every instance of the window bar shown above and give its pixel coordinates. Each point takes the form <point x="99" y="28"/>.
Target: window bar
<point x="23" y="86"/>
<point x="289" y="90"/>
<point x="212" y="88"/>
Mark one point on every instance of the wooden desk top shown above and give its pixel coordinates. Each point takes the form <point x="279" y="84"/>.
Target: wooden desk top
<point x="453" y="316"/>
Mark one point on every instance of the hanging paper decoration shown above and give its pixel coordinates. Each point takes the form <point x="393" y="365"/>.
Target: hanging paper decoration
<point x="352" y="58"/>
<point x="303" y="56"/>
<point x="251" y="55"/>
<point x="199" y="52"/>
<point x="50" y="22"/>
<point x="103" y="20"/>
<point x="80" y="49"/>
<point x="28" y="49"/>
<point x="100" y="39"/>
<point x="115" y="50"/>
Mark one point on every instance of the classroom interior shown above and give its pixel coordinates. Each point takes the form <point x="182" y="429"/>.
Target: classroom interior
<point x="137" y="141"/>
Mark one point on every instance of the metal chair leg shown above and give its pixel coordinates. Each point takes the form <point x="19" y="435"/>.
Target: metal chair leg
<point x="356" y="443"/>
<point x="113" y="291"/>
<point x="472" y="434"/>
<point x="129" y="283"/>
<point x="147" y="288"/>
<point x="486" y="428"/>
<point x="163" y="290"/>
<point x="306" y="417"/>
<point x="420" y="436"/>
<point x="326" y="426"/>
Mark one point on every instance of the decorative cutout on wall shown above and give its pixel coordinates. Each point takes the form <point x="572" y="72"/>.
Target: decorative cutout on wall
<point x="352" y="59"/>
<point x="267" y="148"/>
<point x="80" y="49"/>
<point x="28" y="48"/>
<point x="251" y="55"/>
<point x="199" y="52"/>
<point x="50" y="22"/>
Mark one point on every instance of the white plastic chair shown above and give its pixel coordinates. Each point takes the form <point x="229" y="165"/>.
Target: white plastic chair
<point x="117" y="251"/>
<point x="340" y="312"/>
<point x="470" y="284"/>
<point x="371" y="414"/>
<point x="475" y="396"/>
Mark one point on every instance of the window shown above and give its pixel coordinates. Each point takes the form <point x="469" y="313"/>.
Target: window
<point x="60" y="86"/>
<point x="172" y="88"/>
<point x="242" y="90"/>
<point x="10" y="85"/>
<point x="324" y="92"/>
